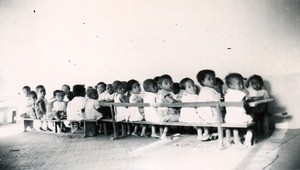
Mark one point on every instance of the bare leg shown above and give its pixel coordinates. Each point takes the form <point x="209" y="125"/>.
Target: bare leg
<point x="236" y="137"/>
<point x="199" y="133"/>
<point x="134" y="133"/>
<point x="248" y="138"/>
<point x="153" y="132"/>
<point x="143" y="134"/>
<point x="164" y="134"/>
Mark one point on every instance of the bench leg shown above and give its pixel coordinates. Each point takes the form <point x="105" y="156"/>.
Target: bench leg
<point x="28" y="123"/>
<point x="89" y="129"/>
<point x="123" y="128"/>
<point x="105" y="128"/>
<point x="266" y="126"/>
<point x="228" y="136"/>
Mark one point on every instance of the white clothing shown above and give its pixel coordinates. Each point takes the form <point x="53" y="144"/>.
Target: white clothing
<point x="105" y="96"/>
<point x="189" y="114"/>
<point x="235" y="114"/>
<point x="91" y="111"/>
<point x="75" y="107"/>
<point x="165" y="113"/>
<point x="208" y="114"/>
<point x="59" y="106"/>
<point x="134" y="112"/>
<point x="151" y="114"/>
<point x="121" y="113"/>
<point x="257" y="93"/>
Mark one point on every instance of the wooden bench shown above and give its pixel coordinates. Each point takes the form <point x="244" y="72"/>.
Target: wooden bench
<point x="219" y="125"/>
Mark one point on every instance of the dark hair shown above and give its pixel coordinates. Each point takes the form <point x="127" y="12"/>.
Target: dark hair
<point x="79" y="90"/>
<point x="40" y="87"/>
<point x="26" y="88"/>
<point x="117" y="84"/>
<point x="92" y="93"/>
<point x="70" y="95"/>
<point x="101" y="83"/>
<point x="33" y="94"/>
<point x="164" y="77"/>
<point x="67" y="86"/>
<point x="176" y="88"/>
<point x="202" y="74"/>
<point x="148" y="83"/>
<point x="257" y="77"/>
<point x="55" y="92"/>
<point x="183" y="81"/>
<point x="130" y="83"/>
<point x="233" y="75"/>
<point x="219" y="81"/>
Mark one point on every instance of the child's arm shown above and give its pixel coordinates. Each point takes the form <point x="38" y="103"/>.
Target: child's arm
<point x="170" y="99"/>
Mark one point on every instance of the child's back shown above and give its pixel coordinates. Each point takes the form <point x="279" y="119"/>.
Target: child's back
<point x="75" y="108"/>
<point x="151" y="114"/>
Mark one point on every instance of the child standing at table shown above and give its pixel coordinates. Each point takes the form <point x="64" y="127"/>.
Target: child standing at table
<point x="136" y="113"/>
<point x="24" y="103"/>
<point x="236" y="114"/>
<point x="101" y="87"/>
<point x="151" y="114"/>
<point x="165" y="95"/>
<point x="32" y="101"/>
<point x="41" y="106"/>
<point x="255" y="89"/>
<point x="207" y="94"/>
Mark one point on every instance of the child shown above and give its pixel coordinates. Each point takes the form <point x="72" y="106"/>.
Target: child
<point x="75" y="108"/>
<point x="165" y="95"/>
<point x="255" y="88"/>
<point x="41" y="106"/>
<point x="207" y="94"/>
<point x="219" y="88"/>
<point x="101" y="87"/>
<point x="135" y="113"/>
<point x="66" y="89"/>
<point x="32" y="100"/>
<point x="25" y="105"/>
<point x="92" y="106"/>
<point x="58" y="109"/>
<point x="120" y="97"/>
<point x="151" y="115"/>
<point x="235" y="114"/>
<point x="109" y="93"/>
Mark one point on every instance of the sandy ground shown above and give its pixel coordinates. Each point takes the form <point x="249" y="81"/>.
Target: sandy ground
<point x="39" y="150"/>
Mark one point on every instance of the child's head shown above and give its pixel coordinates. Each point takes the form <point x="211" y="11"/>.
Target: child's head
<point x="26" y="90"/>
<point x="70" y="95"/>
<point x="41" y="91"/>
<point x="66" y="88"/>
<point x="92" y="93"/>
<point x="188" y="85"/>
<point x="79" y="90"/>
<point x="110" y="89"/>
<point x="119" y="87"/>
<point x="176" y="88"/>
<point x="150" y="85"/>
<point x="134" y="86"/>
<point x="235" y="81"/>
<point x="32" y="95"/>
<point x="255" y="81"/>
<point x="166" y="82"/>
<point x="101" y="87"/>
<point x="156" y="80"/>
<point x="206" y="78"/>
<point x="219" y="85"/>
<point x="59" y="95"/>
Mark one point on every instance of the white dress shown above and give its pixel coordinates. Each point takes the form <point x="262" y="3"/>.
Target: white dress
<point x="91" y="107"/>
<point x="234" y="114"/>
<point x="208" y="114"/>
<point x="134" y="112"/>
<point x="257" y="93"/>
<point x="189" y="114"/>
<point x="121" y="113"/>
<point x="151" y="114"/>
<point x="165" y="113"/>
<point x="75" y="107"/>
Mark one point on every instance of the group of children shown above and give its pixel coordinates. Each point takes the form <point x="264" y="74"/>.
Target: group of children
<point x="85" y="104"/>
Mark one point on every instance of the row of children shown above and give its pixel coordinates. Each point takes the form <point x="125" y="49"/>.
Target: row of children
<point x="86" y="103"/>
